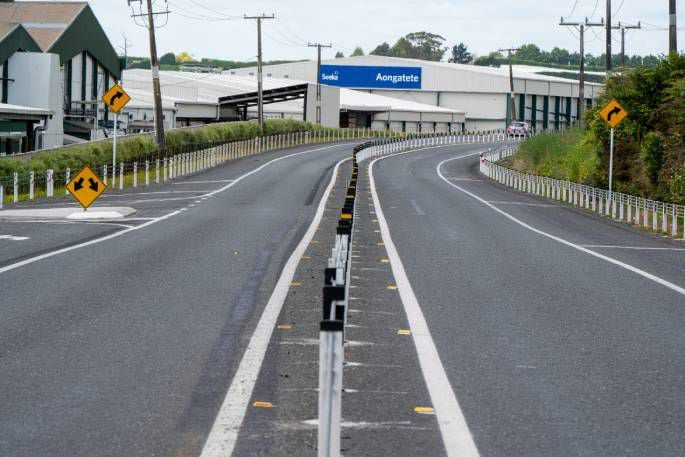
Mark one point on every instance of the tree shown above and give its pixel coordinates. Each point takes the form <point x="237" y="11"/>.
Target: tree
<point x="492" y="60"/>
<point x="425" y="46"/>
<point x="530" y="53"/>
<point x="382" y="49"/>
<point x="358" y="51"/>
<point x="184" y="57"/>
<point x="339" y="55"/>
<point x="460" y="54"/>
<point x="168" y="59"/>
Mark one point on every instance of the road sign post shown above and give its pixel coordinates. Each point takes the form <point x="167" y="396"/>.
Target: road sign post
<point x="613" y="114"/>
<point x="86" y="187"/>
<point x="116" y="98"/>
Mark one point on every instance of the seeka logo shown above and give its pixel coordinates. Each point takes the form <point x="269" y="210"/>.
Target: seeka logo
<point x="335" y="76"/>
<point x="397" y="78"/>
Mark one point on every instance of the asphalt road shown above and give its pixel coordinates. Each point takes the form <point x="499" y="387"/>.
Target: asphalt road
<point x="127" y="346"/>
<point x="123" y="338"/>
<point x="549" y="350"/>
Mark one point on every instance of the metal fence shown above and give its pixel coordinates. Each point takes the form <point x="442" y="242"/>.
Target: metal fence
<point x="653" y="215"/>
<point x="197" y="157"/>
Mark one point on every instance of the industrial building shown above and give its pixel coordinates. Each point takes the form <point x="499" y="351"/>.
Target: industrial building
<point x="483" y="93"/>
<point x="197" y="98"/>
<point x="55" y="58"/>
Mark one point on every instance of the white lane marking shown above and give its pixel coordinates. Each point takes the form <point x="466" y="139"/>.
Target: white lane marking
<point x="578" y="247"/>
<point x="133" y="194"/>
<point x="455" y="432"/>
<point x="151" y="222"/>
<point x="417" y="208"/>
<point x="633" y="248"/>
<point x="224" y="433"/>
<point x="82" y="245"/>
<point x="540" y="205"/>
<point x="202" y="182"/>
<point x="14" y="238"/>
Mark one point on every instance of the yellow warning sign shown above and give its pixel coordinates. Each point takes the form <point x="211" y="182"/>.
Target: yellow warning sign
<point x="116" y="98"/>
<point x="86" y="187"/>
<point x="613" y="113"/>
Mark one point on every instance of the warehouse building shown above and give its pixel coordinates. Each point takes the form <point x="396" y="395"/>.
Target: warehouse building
<point x="55" y="56"/>
<point x="194" y="98"/>
<point x="483" y="93"/>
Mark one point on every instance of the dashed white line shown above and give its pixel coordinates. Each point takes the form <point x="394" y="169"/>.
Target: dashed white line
<point x="632" y="248"/>
<point x="14" y="238"/>
<point x="47" y="255"/>
<point x="638" y="271"/>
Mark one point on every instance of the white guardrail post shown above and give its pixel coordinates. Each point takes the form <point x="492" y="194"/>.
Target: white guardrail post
<point x="330" y="387"/>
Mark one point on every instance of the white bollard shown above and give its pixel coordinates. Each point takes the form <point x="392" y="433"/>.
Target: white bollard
<point x="15" y="177"/>
<point x="121" y="175"/>
<point x="32" y="184"/>
<point x="67" y="178"/>
<point x="49" y="183"/>
<point x="147" y="173"/>
<point x="2" y="195"/>
<point x="157" y="171"/>
<point x="331" y="354"/>
<point x="135" y="174"/>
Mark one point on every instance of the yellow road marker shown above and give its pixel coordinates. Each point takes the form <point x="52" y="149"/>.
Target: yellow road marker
<point x="424" y="410"/>
<point x="284" y="327"/>
<point x="314" y="242"/>
<point x="346" y="216"/>
<point x="262" y="404"/>
<point x="385" y="260"/>
<point x="306" y="257"/>
<point x="380" y="244"/>
<point x="403" y="331"/>
<point x="296" y="284"/>
<point x="376" y="231"/>
<point x="375" y="220"/>
<point x="393" y="287"/>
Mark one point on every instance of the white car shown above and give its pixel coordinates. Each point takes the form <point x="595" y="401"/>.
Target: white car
<point x="518" y="128"/>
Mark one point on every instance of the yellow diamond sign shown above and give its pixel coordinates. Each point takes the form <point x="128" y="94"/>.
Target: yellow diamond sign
<point x="116" y="98"/>
<point x="613" y="113"/>
<point x="86" y="187"/>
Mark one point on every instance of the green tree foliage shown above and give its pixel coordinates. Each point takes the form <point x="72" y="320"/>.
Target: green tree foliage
<point x="358" y="51"/>
<point x="339" y="55"/>
<point x="168" y="59"/>
<point x="382" y="49"/>
<point x="420" y="45"/>
<point x="460" y="54"/>
<point x="652" y="154"/>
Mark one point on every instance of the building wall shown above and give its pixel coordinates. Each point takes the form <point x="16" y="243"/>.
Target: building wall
<point x="37" y="84"/>
<point x="480" y="91"/>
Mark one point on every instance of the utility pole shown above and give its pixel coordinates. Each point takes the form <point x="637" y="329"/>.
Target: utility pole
<point x="581" y="75"/>
<point x="511" y="81"/>
<point x="318" y="47"/>
<point x="672" y="30"/>
<point x="623" y="28"/>
<point x="154" y="65"/>
<point x="609" y="63"/>
<point x="260" y="91"/>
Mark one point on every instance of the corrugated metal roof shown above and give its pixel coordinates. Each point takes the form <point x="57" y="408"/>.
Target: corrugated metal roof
<point x="44" y="21"/>
<point x="6" y="108"/>
<point x="363" y="101"/>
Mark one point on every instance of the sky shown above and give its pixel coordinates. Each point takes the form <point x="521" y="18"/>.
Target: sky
<point x="216" y="29"/>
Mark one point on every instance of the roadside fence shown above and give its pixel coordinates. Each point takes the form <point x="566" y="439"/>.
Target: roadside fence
<point x="656" y="216"/>
<point x="193" y="158"/>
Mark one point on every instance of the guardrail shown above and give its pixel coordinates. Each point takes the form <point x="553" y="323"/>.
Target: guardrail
<point x="657" y="216"/>
<point x="337" y="283"/>
<point x="331" y="337"/>
<point x="193" y="158"/>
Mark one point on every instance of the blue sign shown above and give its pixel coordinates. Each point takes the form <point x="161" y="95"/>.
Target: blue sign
<point x="371" y="77"/>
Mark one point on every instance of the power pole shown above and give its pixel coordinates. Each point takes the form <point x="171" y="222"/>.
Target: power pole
<point x="154" y="65"/>
<point x="260" y="91"/>
<point x="609" y="62"/>
<point x="623" y="28"/>
<point x="318" y="47"/>
<point x="672" y="30"/>
<point x="511" y="81"/>
<point x="581" y="76"/>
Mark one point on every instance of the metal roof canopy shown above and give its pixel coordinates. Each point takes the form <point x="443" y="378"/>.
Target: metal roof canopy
<point x="281" y="94"/>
